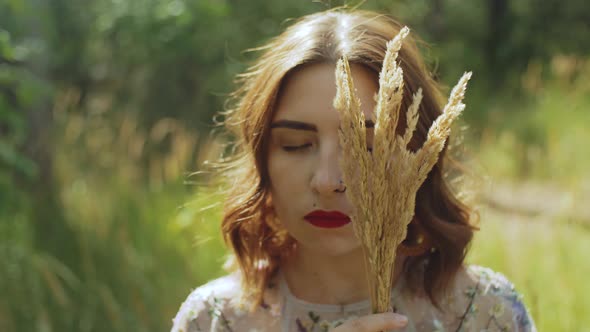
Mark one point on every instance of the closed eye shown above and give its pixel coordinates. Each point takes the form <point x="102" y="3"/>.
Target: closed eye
<point x="296" y="147"/>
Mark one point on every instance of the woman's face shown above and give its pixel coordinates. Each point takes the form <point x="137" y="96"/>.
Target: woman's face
<point x="304" y="153"/>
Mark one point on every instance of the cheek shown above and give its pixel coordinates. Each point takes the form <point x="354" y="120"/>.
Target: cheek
<point x="288" y="181"/>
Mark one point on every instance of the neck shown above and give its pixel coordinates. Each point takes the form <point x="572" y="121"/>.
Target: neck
<point x="327" y="279"/>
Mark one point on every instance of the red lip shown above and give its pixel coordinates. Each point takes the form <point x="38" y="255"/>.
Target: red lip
<point x="327" y="219"/>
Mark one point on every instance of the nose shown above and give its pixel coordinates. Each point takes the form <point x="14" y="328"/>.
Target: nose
<point x="327" y="175"/>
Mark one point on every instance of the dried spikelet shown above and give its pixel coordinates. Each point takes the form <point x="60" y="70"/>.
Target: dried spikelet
<point x="384" y="201"/>
<point x="352" y="135"/>
<point x="441" y="128"/>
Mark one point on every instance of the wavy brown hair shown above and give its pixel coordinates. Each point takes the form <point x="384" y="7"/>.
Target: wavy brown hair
<point x="249" y="225"/>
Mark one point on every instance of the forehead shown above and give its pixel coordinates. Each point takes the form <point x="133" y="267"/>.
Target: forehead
<point x="307" y="94"/>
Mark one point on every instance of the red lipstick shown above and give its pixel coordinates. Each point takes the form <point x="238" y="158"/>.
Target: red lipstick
<point x="327" y="219"/>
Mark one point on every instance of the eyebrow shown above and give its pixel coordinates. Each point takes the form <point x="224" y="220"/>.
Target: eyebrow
<point x="290" y="124"/>
<point x="297" y="125"/>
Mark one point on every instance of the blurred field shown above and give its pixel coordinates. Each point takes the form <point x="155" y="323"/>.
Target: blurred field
<point x="546" y="260"/>
<point x="537" y="230"/>
<point x="106" y="111"/>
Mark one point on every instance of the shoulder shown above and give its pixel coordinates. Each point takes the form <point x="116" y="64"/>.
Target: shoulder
<point x="209" y="304"/>
<point x="489" y="301"/>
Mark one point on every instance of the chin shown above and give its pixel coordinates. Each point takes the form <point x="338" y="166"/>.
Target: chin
<point x="332" y="246"/>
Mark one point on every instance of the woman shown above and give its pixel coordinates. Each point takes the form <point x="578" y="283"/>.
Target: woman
<point x="298" y="265"/>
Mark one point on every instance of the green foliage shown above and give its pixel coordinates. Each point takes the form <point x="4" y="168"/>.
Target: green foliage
<point x="17" y="91"/>
<point x="540" y="139"/>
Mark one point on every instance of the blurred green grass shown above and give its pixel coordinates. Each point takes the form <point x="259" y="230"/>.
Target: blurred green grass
<point x="136" y="256"/>
<point x="547" y="263"/>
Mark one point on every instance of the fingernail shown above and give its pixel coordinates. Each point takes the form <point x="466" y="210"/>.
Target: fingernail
<point x="399" y="318"/>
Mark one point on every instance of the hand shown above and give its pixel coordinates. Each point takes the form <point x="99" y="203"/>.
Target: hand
<point x="374" y="323"/>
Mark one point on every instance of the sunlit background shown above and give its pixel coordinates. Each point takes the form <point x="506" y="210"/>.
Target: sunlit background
<point x="106" y="108"/>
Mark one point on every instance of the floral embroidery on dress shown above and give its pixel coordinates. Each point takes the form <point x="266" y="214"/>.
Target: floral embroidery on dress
<point x="499" y="286"/>
<point x="215" y="312"/>
<point x="314" y="323"/>
<point x="519" y="311"/>
<point x="471" y="311"/>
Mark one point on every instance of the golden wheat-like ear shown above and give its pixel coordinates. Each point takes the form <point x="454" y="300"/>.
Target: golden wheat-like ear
<point x="391" y="90"/>
<point x="441" y="128"/>
<point x="353" y="140"/>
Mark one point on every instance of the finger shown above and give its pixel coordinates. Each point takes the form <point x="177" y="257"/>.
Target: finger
<point x="374" y="323"/>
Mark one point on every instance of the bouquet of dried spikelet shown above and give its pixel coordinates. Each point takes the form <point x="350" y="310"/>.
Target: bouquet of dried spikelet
<point x="382" y="184"/>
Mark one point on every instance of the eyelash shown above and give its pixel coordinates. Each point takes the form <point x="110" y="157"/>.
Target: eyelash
<point x="305" y="146"/>
<point x="296" y="148"/>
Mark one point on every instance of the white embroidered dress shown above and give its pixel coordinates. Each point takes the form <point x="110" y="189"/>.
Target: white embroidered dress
<point x="480" y="300"/>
